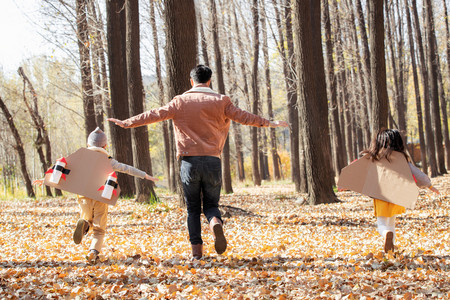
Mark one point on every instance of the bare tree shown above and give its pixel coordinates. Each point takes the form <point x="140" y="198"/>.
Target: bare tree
<point x="85" y="66"/>
<point x="164" y="124"/>
<point x="226" y="171"/>
<point x="140" y="148"/>
<point x="121" y="138"/>
<point x="255" y="92"/>
<point x="433" y="78"/>
<point x="335" y="132"/>
<point x="319" y="188"/>
<point x="378" y="65"/>
<point x="273" y="138"/>
<point x="429" y="135"/>
<point x="42" y="135"/>
<point x="416" y="90"/>
<point x="19" y="148"/>
<point x="181" y="51"/>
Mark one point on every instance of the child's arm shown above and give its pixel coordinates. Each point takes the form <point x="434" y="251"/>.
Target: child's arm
<point x="124" y="168"/>
<point x="422" y="180"/>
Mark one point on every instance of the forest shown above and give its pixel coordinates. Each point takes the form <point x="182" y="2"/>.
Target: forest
<point x="336" y="70"/>
<point x="371" y="69"/>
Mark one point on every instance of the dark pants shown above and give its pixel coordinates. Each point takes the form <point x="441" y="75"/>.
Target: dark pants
<point x="202" y="179"/>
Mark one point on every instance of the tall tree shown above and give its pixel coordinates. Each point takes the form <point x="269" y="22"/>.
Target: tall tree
<point x="19" y="148"/>
<point x="161" y="95"/>
<point x="181" y="51"/>
<point x="85" y="66"/>
<point x="332" y="94"/>
<point x="97" y="48"/>
<point x="378" y="65"/>
<point x="42" y="135"/>
<point x="226" y="171"/>
<point x="433" y="78"/>
<point x="121" y="138"/>
<point x="365" y="54"/>
<point x="321" y="102"/>
<point x="291" y="89"/>
<point x="447" y="36"/>
<point x="140" y="146"/>
<point x="236" y="127"/>
<point x="341" y="82"/>
<point x="416" y="90"/>
<point x="255" y="92"/>
<point x="319" y="188"/>
<point x="273" y="138"/>
<point x="429" y="135"/>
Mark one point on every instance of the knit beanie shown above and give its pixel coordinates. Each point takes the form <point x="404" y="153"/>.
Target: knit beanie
<point x="97" y="138"/>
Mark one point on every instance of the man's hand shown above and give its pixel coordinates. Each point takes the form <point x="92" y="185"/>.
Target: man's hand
<point x="148" y="177"/>
<point x="117" y="122"/>
<point x="278" y="124"/>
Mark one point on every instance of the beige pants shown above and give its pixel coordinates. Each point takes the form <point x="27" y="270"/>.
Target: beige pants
<point x="96" y="213"/>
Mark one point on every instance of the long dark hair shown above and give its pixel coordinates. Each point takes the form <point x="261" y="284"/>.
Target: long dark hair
<point x="386" y="141"/>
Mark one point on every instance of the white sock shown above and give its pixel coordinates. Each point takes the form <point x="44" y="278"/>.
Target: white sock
<point x="386" y="224"/>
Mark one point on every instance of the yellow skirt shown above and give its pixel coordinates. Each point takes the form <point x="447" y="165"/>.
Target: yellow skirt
<point x="386" y="209"/>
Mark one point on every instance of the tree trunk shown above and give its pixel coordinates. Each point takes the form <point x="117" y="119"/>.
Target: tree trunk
<point x="255" y="92"/>
<point x="443" y="106"/>
<point x="416" y="90"/>
<point x="236" y="127"/>
<point x="38" y="125"/>
<point x="139" y="135"/>
<point x="181" y="52"/>
<point x="165" y="125"/>
<point x="85" y="67"/>
<point x="378" y="65"/>
<point x="95" y="34"/>
<point x="291" y="91"/>
<point x="447" y="35"/>
<point x="332" y="95"/>
<point x="319" y="188"/>
<point x="321" y="102"/>
<point x="19" y="148"/>
<point x="429" y="135"/>
<point x="342" y="100"/>
<point x="226" y="171"/>
<point x="273" y="138"/>
<point x="121" y="138"/>
<point x="433" y="78"/>
<point x="366" y="57"/>
<point x="395" y="71"/>
<point x="360" y="98"/>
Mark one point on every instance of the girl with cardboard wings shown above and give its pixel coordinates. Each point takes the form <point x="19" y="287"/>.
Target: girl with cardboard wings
<point x="387" y="141"/>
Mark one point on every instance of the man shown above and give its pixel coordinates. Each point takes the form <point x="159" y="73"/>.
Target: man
<point x="201" y="119"/>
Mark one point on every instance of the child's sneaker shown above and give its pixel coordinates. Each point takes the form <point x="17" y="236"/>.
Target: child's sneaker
<point x="92" y="256"/>
<point x="80" y="231"/>
<point x="389" y="242"/>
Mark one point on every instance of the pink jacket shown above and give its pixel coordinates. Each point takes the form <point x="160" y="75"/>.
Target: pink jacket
<point x="201" y="118"/>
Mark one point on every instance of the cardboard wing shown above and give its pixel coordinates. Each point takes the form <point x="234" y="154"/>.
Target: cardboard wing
<point x="389" y="181"/>
<point x="88" y="173"/>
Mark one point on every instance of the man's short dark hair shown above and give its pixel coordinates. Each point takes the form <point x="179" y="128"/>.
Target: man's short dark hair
<point x="201" y="74"/>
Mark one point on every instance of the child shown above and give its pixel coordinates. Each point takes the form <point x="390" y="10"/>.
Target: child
<point x="386" y="141"/>
<point x="94" y="213"/>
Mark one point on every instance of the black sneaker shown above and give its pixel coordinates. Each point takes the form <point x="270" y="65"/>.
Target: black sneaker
<point x="80" y="231"/>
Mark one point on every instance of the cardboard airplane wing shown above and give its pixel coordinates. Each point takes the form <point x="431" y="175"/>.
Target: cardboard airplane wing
<point x="87" y="173"/>
<point x="389" y="181"/>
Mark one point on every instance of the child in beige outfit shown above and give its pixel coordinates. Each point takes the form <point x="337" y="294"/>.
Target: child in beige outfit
<point x="95" y="213"/>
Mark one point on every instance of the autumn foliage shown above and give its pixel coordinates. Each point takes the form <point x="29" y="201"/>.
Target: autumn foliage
<point x="278" y="249"/>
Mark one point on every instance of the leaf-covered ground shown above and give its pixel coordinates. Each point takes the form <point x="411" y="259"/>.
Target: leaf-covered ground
<point x="277" y="249"/>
